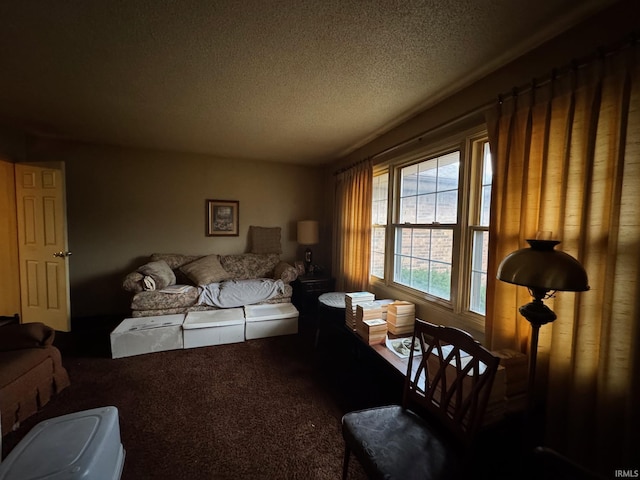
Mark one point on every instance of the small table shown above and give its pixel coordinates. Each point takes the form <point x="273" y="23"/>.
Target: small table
<point x="307" y="289"/>
<point x="331" y="311"/>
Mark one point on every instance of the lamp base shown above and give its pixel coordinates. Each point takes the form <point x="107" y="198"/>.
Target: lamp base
<point x="537" y="313"/>
<point x="308" y="260"/>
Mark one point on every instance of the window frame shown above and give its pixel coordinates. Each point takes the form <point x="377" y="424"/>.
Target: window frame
<point x="469" y="142"/>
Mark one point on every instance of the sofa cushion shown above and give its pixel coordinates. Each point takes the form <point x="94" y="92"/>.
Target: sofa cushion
<point x="205" y="270"/>
<point x="265" y="239"/>
<point x="161" y="273"/>
<point x="250" y="265"/>
<point x="154" y="300"/>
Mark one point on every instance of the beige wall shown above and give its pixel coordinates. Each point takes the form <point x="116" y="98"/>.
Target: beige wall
<point x="123" y="205"/>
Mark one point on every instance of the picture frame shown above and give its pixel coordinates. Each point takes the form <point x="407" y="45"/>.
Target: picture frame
<point x="222" y="218"/>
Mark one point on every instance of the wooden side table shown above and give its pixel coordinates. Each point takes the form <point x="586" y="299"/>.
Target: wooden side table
<point x="307" y="289"/>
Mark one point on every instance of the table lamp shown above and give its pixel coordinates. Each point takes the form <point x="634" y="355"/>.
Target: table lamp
<point x="308" y="235"/>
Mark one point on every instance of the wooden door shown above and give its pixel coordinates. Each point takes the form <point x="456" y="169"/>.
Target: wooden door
<point x="42" y="244"/>
<point x="9" y="266"/>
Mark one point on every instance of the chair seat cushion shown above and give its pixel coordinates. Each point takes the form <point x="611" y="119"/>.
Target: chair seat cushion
<point x="394" y="443"/>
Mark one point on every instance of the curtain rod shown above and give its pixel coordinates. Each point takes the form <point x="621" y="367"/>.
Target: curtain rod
<point x="419" y="137"/>
<point x="602" y="52"/>
<point x="574" y="65"/>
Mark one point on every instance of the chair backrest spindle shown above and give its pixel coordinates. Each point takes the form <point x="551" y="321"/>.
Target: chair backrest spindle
<point x="450" y="375"/>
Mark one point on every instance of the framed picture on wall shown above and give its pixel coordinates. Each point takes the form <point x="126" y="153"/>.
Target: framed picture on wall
<point x="223" y="218"/>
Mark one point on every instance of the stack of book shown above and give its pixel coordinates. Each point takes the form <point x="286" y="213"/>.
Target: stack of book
<point x="384" y="306"/>
<point x="351" y="302"/>
<point x="367" y="311"/>
<point x="373" y="331"/>
<point x="401" y="316"/>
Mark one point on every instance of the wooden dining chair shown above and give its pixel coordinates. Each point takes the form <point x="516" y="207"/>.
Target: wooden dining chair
<point x="447" y="388"/>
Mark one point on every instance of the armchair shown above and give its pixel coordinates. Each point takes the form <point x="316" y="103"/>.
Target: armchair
<point x="31" y="371"/>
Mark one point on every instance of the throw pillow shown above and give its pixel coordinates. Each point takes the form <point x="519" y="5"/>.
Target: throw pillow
<point x="205" y="270"/>
<point x="265" y="239"/>
<point x="161" y="273"/>
<point x="133" y="282"/>
<point x="285" y="272"/>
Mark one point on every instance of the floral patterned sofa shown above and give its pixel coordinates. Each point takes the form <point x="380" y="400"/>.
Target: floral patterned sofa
<point x="172" y="283"/>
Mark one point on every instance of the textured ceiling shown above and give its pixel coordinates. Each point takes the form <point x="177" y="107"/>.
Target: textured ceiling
<point x="295" y="81"/>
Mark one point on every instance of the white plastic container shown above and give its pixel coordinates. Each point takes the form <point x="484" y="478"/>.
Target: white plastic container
<point x="136" y="336"/>
<point x="270" y="320"/>
<point x="83" y="445"/>
<point x="213" y="327"/>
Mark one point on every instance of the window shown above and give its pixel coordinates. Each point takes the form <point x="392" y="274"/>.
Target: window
<point x="428" y="214"/>
<point x="431" y="222"/>
<point x="479" y="230"/>
<point x="379" y="223"/>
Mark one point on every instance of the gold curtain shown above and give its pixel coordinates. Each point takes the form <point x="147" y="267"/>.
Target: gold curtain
<point x="566" y="159"/>
<point x="352" y="227"/>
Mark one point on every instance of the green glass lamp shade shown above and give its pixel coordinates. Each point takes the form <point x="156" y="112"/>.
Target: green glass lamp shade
<point x="543" y="268"/>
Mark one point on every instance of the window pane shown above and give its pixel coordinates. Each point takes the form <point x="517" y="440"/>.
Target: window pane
<point x="409" y="181"/>
<point x="380" y="186"/>
<point x="379" y="203"/>
<point x="487" y="170"/>
<point x="423" y="260"/>
<point x="478" y="293"/>
<point x="403" y="270"/>
<point x="428" y="176"/>
<point x="478" y="285"/>
<point x="419" y="274"/>
<point x="377" y="264"/>
<point x="421" y="243"/>
<point x="442" y="248"/>
<point x="377" y="251"/>
<point x="429" y="191"/>
<point x="485" y="204"/>
<point x="440" y="281"/>
<point x="447" y="207"/>
<point x="485" y="200"/>
<point x="427" y="208"/>
<point x="408" y="210"/>
<point x="448" y="167"/>
<point x="379" y="217"/>
<point x="403" y="241"/>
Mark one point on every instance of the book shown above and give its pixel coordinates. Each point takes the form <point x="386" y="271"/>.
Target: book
<point x="395" y="330"/>
<point x="401" y="307"/>
<point x="400" y="320"/>
<point x="373" y="331"/>
<point x="352" y="300"/>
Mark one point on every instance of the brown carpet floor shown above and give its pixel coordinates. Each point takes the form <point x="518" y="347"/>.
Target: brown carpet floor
<point x="261" y="409"/>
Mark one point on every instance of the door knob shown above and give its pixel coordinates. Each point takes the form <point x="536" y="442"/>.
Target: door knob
<point x="62" y="254"/>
